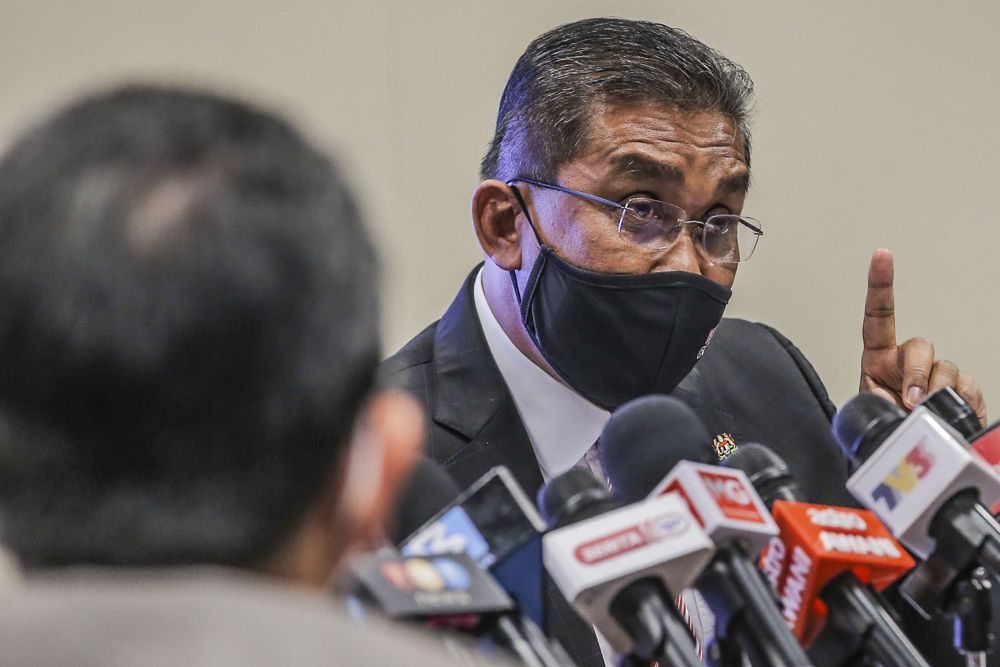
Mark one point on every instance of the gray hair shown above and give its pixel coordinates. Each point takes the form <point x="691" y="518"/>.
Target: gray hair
<point x="563" y="74"/>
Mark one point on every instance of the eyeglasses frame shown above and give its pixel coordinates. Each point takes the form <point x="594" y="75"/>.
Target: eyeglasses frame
<point x="747" y="222"/>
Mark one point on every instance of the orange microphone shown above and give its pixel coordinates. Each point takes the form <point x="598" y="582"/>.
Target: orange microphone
<point x="816" y="544"/>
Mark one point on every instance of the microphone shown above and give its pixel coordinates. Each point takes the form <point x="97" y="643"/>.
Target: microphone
<point x="428" y="489"/>
<point x="649" y="448"/>
<point x="944" y="582"/>
<point x="987" y="445"/>
<point x="818" y="562"/>
<point x="917" y="474"/>
<point x="620" y="567"/>
<point x="954" y="411"/>
<point x="449" y="591"/>
<point x="919" y="477"/>
<point x="493" y="522"/>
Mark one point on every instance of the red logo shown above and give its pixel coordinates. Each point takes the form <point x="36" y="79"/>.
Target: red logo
<point x="395" y="573"/>
<point x="631" y="538"/>
<point x="732" y="496"/>
<point x="611" y="545"/>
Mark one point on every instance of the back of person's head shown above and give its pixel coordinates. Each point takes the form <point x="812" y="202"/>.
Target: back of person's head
<point x="571" y="71"/>
<point x="188" y="331"/>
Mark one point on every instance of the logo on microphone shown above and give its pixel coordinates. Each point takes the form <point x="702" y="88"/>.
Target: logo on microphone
<point x="648" y="532"/>
<point x="904" y="477"/>
<point x="832" y="517"/>
<point x="732" y="496"/>
<point x="453" y="533"/>
<point x="795" y="584"/>
<point x="429" y="575"/>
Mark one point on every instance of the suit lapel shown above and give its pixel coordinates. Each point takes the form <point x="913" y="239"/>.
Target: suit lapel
<point x="472" y="399"/>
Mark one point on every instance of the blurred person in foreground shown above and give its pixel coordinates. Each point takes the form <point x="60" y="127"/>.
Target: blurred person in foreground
<point x="189" y="438"/>
<point x="611" y="217"/>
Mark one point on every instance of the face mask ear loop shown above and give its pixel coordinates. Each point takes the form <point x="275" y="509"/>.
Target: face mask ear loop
<point x="527" y="216"/>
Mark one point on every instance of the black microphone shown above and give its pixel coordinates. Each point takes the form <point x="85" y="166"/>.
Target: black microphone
<point x="955" y="411"/>
<point x="650" y="447"/>
<point x="428" y="489"/>
<point x="620" y="566"/>
<point x="830" y="544"/>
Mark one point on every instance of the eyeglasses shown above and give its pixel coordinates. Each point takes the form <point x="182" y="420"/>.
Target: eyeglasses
<point x="655" y="224"/>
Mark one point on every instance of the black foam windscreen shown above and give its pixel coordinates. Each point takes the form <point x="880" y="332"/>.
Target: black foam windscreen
<point x="647" y="437"/>
<point x="954" y="410"/>
<point x="574" y="496"/>
<point x="858" y="427"/>
<point x="428" y="490"/>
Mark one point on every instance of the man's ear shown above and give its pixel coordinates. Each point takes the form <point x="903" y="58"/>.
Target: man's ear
<point x="494" y="216"/>
<point x="383" y="451"/>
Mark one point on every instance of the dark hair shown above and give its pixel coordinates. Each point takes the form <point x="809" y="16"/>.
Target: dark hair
<point x="188" y="328"/>
<point x="565" y="74"/>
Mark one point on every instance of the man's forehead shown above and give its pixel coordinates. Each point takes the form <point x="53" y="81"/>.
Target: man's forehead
<point x="662" y="142"/>
<point x="731" y="172"/>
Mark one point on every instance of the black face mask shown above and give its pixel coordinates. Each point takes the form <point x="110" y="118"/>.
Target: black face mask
<point x="614" y="337"/>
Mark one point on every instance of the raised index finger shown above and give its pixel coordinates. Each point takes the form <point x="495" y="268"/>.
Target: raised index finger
<point x="878" y="332"/>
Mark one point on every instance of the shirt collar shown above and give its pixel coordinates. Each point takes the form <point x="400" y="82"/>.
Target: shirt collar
<point x="561" y="424"/>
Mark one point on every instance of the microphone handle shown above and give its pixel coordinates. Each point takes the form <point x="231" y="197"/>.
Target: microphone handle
<point x="548" y="650"/>
<point x="655" y="625"/>
<point x="678" y="648"/>
<point x="734" y="586"/>
<point x="519" y="645"/>
<point x="857" y="621"/>
<point x="962" y="523"/>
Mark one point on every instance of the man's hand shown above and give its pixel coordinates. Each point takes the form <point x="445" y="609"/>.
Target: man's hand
<point x="903" y="374"/>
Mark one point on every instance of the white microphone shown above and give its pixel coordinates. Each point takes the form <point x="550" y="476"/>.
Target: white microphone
<point x="918" y="475"/>
<point x="621" y="567"/>
<point x="648" y="448"/>
<point x="724" y="501"/>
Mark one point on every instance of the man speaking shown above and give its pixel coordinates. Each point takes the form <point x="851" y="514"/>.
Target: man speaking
<point x="611" y="217"/>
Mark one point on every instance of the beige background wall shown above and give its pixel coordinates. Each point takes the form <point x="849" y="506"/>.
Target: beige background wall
<point x="877" y="126"/>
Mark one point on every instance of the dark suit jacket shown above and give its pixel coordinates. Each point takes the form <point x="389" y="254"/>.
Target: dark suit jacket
<point x="752" y="383"/>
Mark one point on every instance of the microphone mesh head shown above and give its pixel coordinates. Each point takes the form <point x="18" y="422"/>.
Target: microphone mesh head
<point x="561" y="500"/>
<point x="947" y="404"/>
<point x="647" y="437"/>
<point x="859" y="423"/>
<point x="754" y="459"/>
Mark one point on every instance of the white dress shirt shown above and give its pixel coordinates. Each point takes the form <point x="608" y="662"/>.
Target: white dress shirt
<point x="561" y="424"/>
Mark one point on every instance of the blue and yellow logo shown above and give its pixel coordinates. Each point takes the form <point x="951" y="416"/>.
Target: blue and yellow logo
<point x="904" y="477"/>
